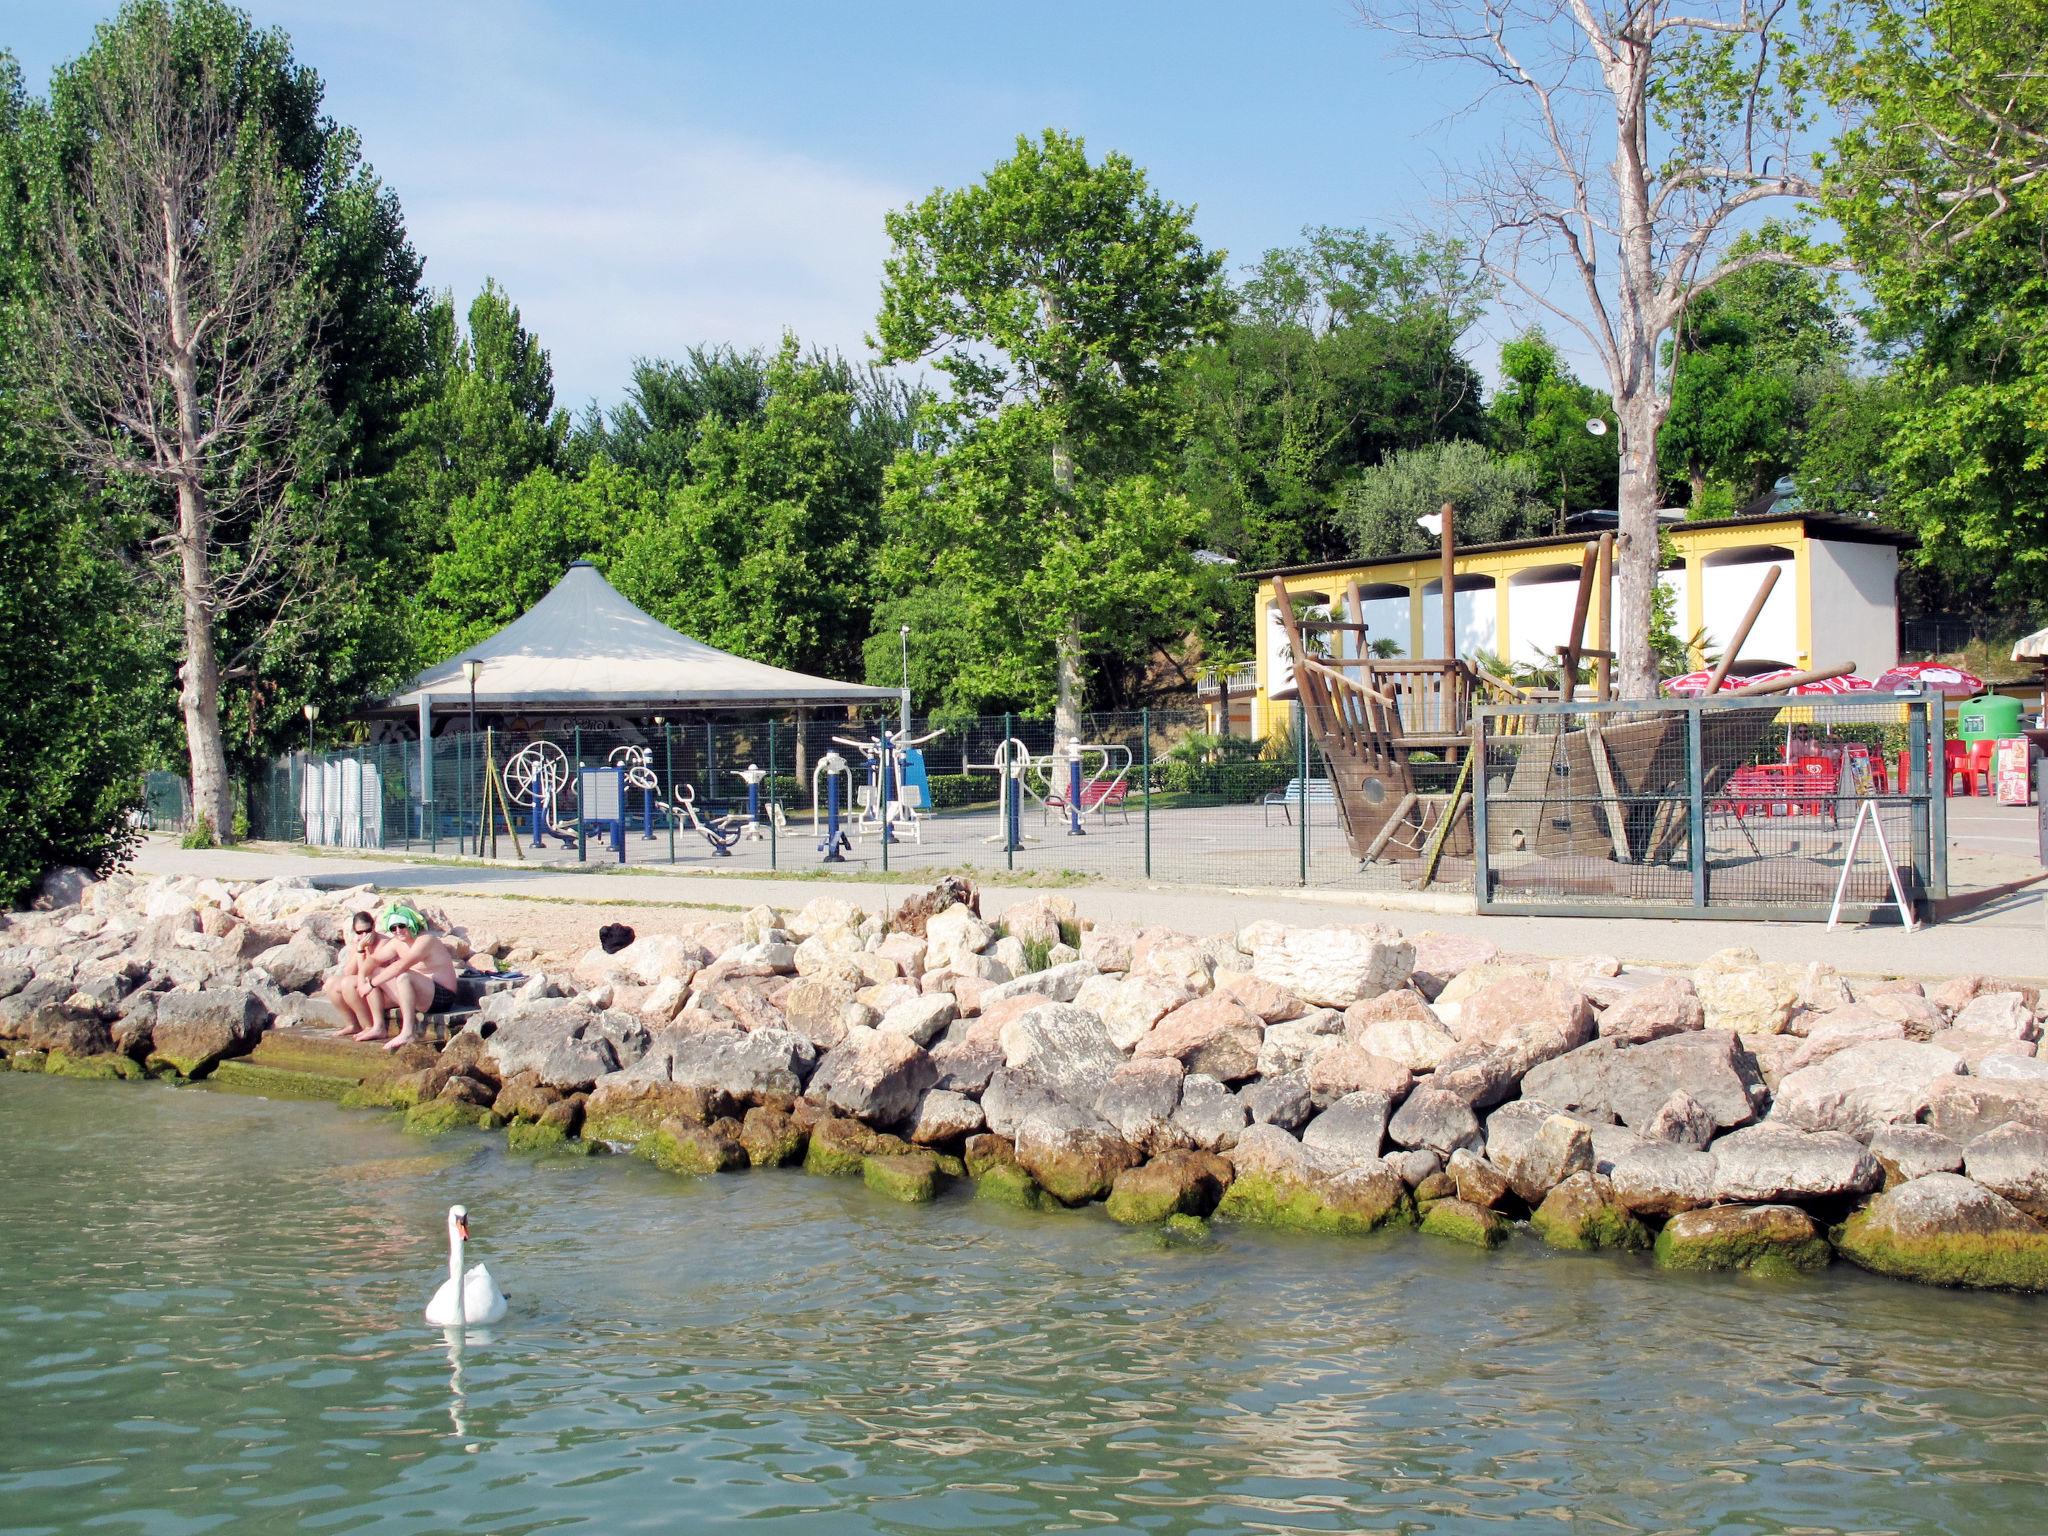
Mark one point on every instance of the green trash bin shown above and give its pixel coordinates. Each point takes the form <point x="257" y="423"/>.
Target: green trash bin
<point x="1988" y="717"/>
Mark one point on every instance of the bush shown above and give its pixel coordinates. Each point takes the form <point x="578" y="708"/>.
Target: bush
<point x="1239" y="782"/>
<point x="201" y="835"/>
<point x="950" y="791"/>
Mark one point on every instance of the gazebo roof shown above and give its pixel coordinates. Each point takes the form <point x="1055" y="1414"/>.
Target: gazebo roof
<point x="584" y="647"/>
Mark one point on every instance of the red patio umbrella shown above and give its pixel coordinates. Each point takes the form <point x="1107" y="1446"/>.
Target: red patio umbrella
<point x="1694" y="684"/>
<point x="1936" y="676"/>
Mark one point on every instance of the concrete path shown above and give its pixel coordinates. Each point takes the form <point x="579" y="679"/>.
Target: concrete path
<point x="2003" y="937"/>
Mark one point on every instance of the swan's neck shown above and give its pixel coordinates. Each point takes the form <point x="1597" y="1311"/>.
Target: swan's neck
<point x="454" y="1255"/>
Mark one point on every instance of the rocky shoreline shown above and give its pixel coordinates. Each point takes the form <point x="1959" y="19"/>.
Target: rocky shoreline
<point x="1736" y="1116"/>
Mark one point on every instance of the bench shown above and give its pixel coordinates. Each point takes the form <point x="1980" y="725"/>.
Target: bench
<point x="1101" y="798"/>
<point x="1319" y="792"/>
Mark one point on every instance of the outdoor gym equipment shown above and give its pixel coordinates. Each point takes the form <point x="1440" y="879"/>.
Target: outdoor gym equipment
<point x="535" y="777"/>
<point x="1088" y="788"/>
<point x="721" y="832"/>
<point x="637" y="763"/>
<point x="832" y="768"/>
<point x="1012" y="763"/>
<point x="893" y="763"/>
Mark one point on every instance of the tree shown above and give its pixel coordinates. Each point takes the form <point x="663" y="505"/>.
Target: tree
<point x="655" y="427"/>
<point x="1648" y="128"/>
<point x="1052" y="296"/>
<point x="1340" y="351"/>
<point x="768" y="549"/>
<point x="1495" y="497"/>
<point x="171" y="333"/>
<point x="486" y="409"/>
<point x="1539" y="419"/>
<point x="1941" y="189"/>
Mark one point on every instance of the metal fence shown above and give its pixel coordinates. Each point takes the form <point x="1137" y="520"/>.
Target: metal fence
<point x="1675" y="809"/>
<point x="1723" y="808"/>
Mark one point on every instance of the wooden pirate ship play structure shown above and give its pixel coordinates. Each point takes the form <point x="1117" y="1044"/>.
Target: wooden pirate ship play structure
<point x="1399" y="739"/>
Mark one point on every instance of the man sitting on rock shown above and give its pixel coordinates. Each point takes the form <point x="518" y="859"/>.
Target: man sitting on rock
<point x="366" y="951"/>
<point x="415" y="975"/>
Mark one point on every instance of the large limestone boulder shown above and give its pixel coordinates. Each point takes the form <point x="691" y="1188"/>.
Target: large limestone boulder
<point x="1138" y="1102"/>
<point x="1520" y="1006"/>
<point x="1863" y="1087"/>
<point x="298" y="965"/>
<point x="874" y="1077"/>
<point x="1334" y="967"/>
<point x="1176" y="1183"/>
<point x="1343" y="1068"/>
<point x="1907" y="1152"/>
<point x="566" y="1046"/>
<point x="953" y="937"/>
<point x="743" y="1064"/>
<point x="1999" y="1013"/>
<point x="1737" y="991"/>
<point x="1441" y="957"/>
<point x="193" y="1030"/>
<point x="1176" y="960"/>
<point x="1826" y="1033"/>
<point x="656" y="957"/>
<point x="1658" y="1179"/>
<point x="1632" y="1083"/>
<point x="1209" y="1115"/>
<point x="1964" y="1108"/>
<point x="1074" y="1156"/>
<point x="1944" y="1229"/>
<point x="1064" y="1047"/>
<point x="1769" y="1239"/>
<point x="1351" y="1132"/>
<point x="1283" y="1100"/>
<point x="818" y="1006"/>
<point x="1582" y="1213"/>
<point x="1214" y="1035"/>
<point x="1265" y="1001"/>
<point x="944" y="1116"/>
<point x="1771" y="1162"/>
<point x="1057" y="983"/>
<point x="1435" y="1121"/>
<point x="1559" y="1148"/>
<point x="1288" y="1045"/>
<point x="2012" y="1160"/>
<point x="923" y="1018"/>
<point x="1401" y="1027"/>
<point x="1666" y="1006"/>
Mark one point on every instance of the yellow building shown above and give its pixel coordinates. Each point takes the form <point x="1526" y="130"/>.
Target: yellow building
<point x="1836" y="597"/>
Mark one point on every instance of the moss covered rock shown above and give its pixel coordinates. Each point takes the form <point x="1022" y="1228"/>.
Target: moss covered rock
<point x="1009" y="1184"/>
<point x="1182" y="1230"/>
<point x="374" y="1094"/>
<point x="772" y="1137"/>
<point x="1463" y="1221"/>
<point x="683" y="1147"/>
<point x="627" y="1114"/>
<point x="541" y="1136"/>
<point x="1173" y="1183"/>
<point x="1353" y="1202"/>
<point x="1944" y="1229"/>
<point x="985" y="1151"/>
<point x="838" y="1146"/>
<point x="27" y="1060"/>
<point x="437" y="1117"/>
<point x="1583" y="1214"/>
<point x="912" y="1177"/>
<point x="1769" y="1239"/>
<point x="418" y="1087"/>
<point x="102" y="1067"/>
<point x="244" y="1076"/>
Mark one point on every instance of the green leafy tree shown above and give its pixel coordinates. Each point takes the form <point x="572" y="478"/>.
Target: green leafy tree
<point x="768" y="550"/>
<point x="486" y="409"/>
<point x="1941" y="190"/>
<point x="1053" y="296"/>
<point x="1539" y="419"/>
<point x="1340" y="351"/>
<point x="1495" y="498"/>
<point x="654" y="428"/>
<point x="509" y="545"/>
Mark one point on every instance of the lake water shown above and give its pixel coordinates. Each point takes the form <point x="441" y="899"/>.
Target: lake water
<point x="210" y="1322"/>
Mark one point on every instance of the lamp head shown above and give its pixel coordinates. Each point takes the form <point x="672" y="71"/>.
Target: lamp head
<point x="1431" y="523"/>
<point x="312" y="713"/>
<point x="471" y="670"/>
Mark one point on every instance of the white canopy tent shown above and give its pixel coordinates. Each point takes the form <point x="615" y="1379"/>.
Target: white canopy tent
<point x="583" y="647"/>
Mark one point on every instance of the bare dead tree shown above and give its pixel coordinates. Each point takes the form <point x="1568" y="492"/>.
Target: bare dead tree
<point x="171" y="346"/>
<point x="1634" y="138"/>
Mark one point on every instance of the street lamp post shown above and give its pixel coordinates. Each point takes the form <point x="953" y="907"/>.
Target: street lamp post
<point x="1440" y="523"/>
<point x="312" y="713"/>
<point x="904" y="635"/>
<point x="471" y="670"/>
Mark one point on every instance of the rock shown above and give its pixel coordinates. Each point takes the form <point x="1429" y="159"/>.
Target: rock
<point x="1058" y="983"/>
<point x="193" y="1030"/>
<point x="1213" y="1035"/>
<point x="1477" y="1181"/>
<point x="1334" y="967"/>
<point x="1965" y="1108"/>
<point x="1944" y="1229"/>
<point x="1772" y="1162"/>
<point x="820" y="915"/>
<point x="1914" y="1013"/>
<point x="1908" y="1152"/>
<point x="64" y="886"/>
<point x="943" y="1116"/>
<point x="743" y="1003"/>
<point x="1174" y="960"/>
<point x="1412" y="1039"/>
<point x="664" y="1000"/>
<point x="1265" y="1001"/>
<point x="954" y="935"/>
<point x="438" y="1117"/>
<point x="1057" y="1043"/>
<point x="1440" y="957"/>
<point x="1668" y="1006"/>
<point x="2002" y="1066"/>
<point x="1107" y="949"/>
<point x="657" y="957"/>
<point x="1030" y="922"/>
<point x="1837" y="1031"/>
<point x="1737" y="992"/>
<point x="564" y="1044"/>
<point x="876" y="1077"/>
<point x="923" y="1018"/>
<point x="681" y="1146"/>
<point x="1958" y="992"/>
<point x="1462" y="1221"/>
<point x="1343" y="1068"/>
<point x="967" y="1056"/>
<point x="2012" y="1160"/>
<point x="757" y="1064"/>
<point x="1582" y="1213"/>
<point x="1858" y="1089"/>
<point x="914" y="916"/>
<point x="1769" y="1239"/>
<point x="1173" y="1183"/>
<point x="1559" y="1148"/>
<point x="911" y="1177"/>
<point x="838" y="1146"/>
<point x="521" y="1097"/>
<point x="1281" y="1183"/>
<point x="1520" y="1007"/>
<point x="1659" y="1179"/>
<point x="1073" y="1155"/>
<point x="1633" y="1082"/>
<point x="1430" y="1118"/>
<point x="74" y="1031"/>
<point x="1283" y="1100"/>
<point x="298" y="965"/>
<point x="1350" y="1133"/>
<point x="1682" y="1121"/>
<point x="1209" y="1116"/>
<point x="1416" y="1166"/>
<point x="1136" y="1003"/>
<point x="1999" y="1013"/>
<point x="1138" y="1103"/>
<point x="1288" y="1046"/>
<point x="816" y="1005"/>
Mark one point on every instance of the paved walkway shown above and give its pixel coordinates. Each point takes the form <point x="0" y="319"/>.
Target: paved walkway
<point x="2004" y="936"/>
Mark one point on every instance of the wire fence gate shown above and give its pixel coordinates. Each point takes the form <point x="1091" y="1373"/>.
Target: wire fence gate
<point x="1675" y="808"/>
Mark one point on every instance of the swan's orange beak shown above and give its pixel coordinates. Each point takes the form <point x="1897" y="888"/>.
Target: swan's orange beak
<point x="462" y="1227"/>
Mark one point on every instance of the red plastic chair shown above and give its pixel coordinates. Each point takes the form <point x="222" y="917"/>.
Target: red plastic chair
<point x="1815" y="782"/>
<point x="1979" y="767"/>
<point x="1956" y="756"/>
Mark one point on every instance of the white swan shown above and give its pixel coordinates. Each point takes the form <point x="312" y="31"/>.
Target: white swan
<point x="464" y="1298"/>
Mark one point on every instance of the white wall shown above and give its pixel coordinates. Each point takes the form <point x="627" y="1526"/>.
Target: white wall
<point x="1540" y="618"/>
<point x="1855" y="604"/>
<point x="1728" y="590"/>
<point x="1473" y="612"/>
<point x="1386" y="618"/>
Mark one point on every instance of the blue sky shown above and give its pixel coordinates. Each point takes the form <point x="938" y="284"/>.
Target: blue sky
<point x="643" y="176"/>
